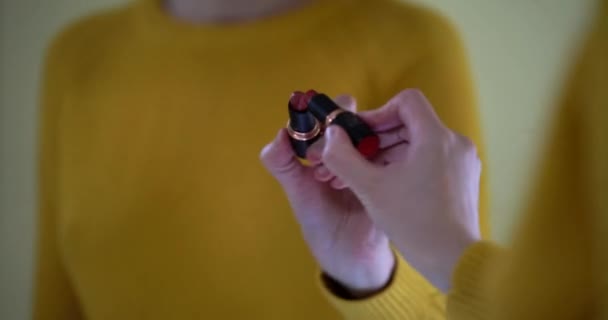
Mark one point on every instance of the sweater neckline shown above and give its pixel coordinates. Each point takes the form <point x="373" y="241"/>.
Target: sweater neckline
<point x="159" y="23"/>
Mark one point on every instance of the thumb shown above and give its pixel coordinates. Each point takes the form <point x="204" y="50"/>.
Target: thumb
<point x="346" y="102"/>
<point x="346" y="163"/>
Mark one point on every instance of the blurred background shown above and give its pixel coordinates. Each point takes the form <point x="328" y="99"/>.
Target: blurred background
<point x="519" y="51"/>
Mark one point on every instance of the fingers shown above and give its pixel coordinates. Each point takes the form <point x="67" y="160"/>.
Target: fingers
<point x="322" y="174"/>
<point x="387" y="139"/>
<point x="279" y="159"/>
<point x="392" y="154"/>
<point x="409" y="108"/>
<point x="386" y="117"/>
<point x="338" y="184"/>
<point x="417" y="113"/>
<point x="393" y="145"/>
<point x="382" y="119"/>
<point x="346" y="102"/>
<point x="315" y="151"/>
<point x="392" y="137"/>
<point x="346" y="163"/>
<point x="395" y="153"/>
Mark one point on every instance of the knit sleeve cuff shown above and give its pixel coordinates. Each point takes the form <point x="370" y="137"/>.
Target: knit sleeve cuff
<point x="407" y="296"/>
<point x="468" y="298"/>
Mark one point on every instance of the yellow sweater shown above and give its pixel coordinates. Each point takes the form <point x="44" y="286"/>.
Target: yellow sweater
<point x="558" y="267"/>
<point x="153" y="202"/>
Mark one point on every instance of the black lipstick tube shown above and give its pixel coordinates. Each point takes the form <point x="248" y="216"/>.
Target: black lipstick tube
<point x="360" y="134"/>
<point x="303" y="130"/>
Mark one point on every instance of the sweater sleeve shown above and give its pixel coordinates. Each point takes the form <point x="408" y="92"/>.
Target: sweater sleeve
<point x="442" y="73"/>
<point x="548" y="274"/>
<point x="408" y="296"/>
<point x="468" y="298"/>
<point x="54" y="297"/>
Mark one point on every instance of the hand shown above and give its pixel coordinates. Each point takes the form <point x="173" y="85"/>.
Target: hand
<point x="425" y="195"/>
<point x="337" y="228"/>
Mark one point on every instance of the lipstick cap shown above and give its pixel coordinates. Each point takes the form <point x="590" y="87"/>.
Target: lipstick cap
<point x="321" y="106"/>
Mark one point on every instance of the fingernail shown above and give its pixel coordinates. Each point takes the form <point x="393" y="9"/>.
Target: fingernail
<point x="322" y="171"/>
<point x="322" y="174"/>
<point x="312" y="157"/>
<point x="338" y="184"/>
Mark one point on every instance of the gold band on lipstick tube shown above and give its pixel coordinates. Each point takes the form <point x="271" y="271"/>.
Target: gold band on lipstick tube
<point x="303" y="136"/>
<point x="330" y="117"/>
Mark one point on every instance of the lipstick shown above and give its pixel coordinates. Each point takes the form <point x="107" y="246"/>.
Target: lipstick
<point x="328" y="112"/>
<point x="303" y="128"/>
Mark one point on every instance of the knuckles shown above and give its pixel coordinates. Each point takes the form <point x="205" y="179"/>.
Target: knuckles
<point x="408" y="94"/>
<point x="264" y="156"/>
<point x="467" y="145"/>
<point x="454" y="145"/>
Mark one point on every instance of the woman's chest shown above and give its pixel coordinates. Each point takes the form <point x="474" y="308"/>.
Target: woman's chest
<point x="173" y="153"/>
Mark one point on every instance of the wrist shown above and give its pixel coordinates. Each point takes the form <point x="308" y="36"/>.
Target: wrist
<point x="363" y="279"/>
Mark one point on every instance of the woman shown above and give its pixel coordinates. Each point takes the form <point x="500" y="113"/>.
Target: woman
<point x="153" y="202"/>
<point x="425" y="198"/>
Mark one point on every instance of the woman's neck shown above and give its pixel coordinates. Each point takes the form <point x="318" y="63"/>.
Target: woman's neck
<point x="228" y="11"/>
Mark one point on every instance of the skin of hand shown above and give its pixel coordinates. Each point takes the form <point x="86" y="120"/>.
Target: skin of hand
<point x="337" y="228"/>
<point x="423" y="188"/>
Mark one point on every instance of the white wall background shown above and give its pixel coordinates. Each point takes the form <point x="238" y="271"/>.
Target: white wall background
<point x="519" y="50"/>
